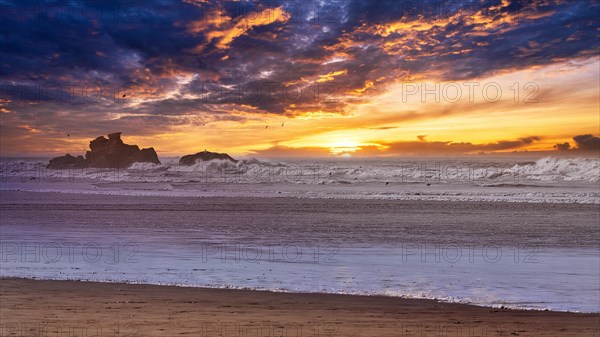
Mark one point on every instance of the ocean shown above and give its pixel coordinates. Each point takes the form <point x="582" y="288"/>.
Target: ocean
<point x="505" y="231"/>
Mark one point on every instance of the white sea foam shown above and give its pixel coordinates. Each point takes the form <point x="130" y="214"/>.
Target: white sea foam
<point x="561" y="169"/>
<point x="367" y="272"/>
<point x="549" y="179"/>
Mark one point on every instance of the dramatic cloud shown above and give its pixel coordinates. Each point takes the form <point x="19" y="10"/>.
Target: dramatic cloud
<point x="584" y="143"/>
<point x="587" y="143"/>
<point x="563" y="146"/>
<point x="143" y="66"/>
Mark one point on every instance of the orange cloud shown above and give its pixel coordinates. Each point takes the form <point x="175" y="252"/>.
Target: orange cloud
<point x="420" y="147"/>
<point x="331" y="76"/>
<point x="409" y="26"/>
<point x="218" y="26"/>
<point x="368" y="84"/>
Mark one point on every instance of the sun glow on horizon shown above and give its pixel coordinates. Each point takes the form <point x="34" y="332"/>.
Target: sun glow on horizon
<point x="378" y="89"/>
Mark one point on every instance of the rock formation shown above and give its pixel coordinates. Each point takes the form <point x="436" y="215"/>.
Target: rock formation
<point x="107" y="153"/>
<point x="191" y="159"/>
<point x="68" y="161"/>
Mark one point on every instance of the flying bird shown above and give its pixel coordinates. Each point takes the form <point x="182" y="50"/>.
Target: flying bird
<point x="282" y="124"/>
<point x="266" y="127"/>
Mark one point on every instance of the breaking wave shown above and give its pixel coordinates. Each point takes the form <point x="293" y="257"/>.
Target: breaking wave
<point x="562" y="169"/>
<point x="548" y="169"/>
<point x="498" y="172"/>
<point x="484" y="173"/>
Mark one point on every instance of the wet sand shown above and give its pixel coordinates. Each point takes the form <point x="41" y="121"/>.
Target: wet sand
<point x="34" y="307"/>
<point x="297" y="220"/>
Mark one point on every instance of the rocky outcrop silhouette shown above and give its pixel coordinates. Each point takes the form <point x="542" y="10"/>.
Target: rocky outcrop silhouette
<point x="68" y="161"/>
<point x="107" y="153"/>
<point x="192" y="159"/>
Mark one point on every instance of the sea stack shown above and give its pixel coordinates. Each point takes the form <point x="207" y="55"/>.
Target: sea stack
<point x="192" y="159"/>
<point x="107" y="153"/>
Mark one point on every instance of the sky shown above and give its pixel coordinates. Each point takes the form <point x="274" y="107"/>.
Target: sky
<point x="301" y="78"/>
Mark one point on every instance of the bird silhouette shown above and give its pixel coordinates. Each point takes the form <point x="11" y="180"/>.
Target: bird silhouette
<point x="124" y="95"/>
<point x="282" y="124"/>
<point x="428" y="184"/>
<point x="266" y="127"/>
<point x="387" y="183"/>
<point x="68" y="135"/>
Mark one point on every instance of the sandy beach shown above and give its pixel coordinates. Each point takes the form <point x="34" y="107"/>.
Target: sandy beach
<point x="145" y="310"/>
<point x="367" y="233"/>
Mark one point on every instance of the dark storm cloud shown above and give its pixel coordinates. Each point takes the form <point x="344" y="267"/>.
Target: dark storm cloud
<point x="562" y="146"/>
<point x="583" y="143"/>
<point x="587" y="143"/>
<point x="479" y="38"/>
<point x="168" y="53"/>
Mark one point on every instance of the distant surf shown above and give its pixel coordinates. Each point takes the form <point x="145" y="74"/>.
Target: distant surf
<point x="548" y="179"/>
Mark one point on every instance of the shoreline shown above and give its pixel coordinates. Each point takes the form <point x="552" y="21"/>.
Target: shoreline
<point x="282" y="291"/>
<point x="158" y="310"/>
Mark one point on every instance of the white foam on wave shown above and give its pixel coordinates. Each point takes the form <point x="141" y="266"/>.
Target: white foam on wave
<point x="547" y="169"/>
<point x="561" y="169"/>
<point x="549" y="179"/>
